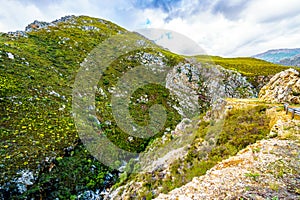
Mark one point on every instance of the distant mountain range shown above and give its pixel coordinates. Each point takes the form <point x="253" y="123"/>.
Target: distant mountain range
<point x="288" y="57"/>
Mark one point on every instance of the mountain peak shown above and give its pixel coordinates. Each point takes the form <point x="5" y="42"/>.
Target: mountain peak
<point x="40" y="24"/>
<point x="83" y="22"/>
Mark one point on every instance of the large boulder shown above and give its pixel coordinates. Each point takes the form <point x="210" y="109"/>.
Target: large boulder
<point x="284" y="87"/>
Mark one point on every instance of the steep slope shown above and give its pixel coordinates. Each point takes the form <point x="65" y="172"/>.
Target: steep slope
<point x="268" y="169"/>
<point x="42" y="155"/>
<point x="288" y="57"/>
<point x="213" y="137"/>
<point x="37" y="70"/>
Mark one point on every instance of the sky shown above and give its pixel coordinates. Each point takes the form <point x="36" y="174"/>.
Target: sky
<point x="228" y="28"/>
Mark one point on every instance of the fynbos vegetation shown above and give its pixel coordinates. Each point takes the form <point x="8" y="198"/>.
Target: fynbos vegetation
<point x="41" y="154"/>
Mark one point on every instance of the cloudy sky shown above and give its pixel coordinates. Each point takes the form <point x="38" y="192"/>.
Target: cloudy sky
<point x="227" y="28"/>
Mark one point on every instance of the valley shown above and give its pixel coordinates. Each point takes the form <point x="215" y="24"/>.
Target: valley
<point x="215" y="114"/>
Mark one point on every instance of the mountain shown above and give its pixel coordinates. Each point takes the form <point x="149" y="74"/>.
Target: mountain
<point x="288" y="57"/>
<point x="256" y="167"/>
<point x="293" y="61"/>
<point x="254" y="172"/>
<point x="47" y="115"/>
<point x="37" y="130"/>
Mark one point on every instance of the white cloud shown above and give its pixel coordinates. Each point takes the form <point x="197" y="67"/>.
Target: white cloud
<point x="14" y="15"/>
<point x="251" y="32"/>
<point x="271" y="10"/>
<point x="226" y="28"/>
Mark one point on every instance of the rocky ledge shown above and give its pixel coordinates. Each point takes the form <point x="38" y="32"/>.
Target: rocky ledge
<point x="283" y="87"/>
<point x="268" y="169"/>
<point x="37" y="25"/>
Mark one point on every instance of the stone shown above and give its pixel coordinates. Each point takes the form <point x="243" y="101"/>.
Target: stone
<point x="198" y="86"/>
<point x="10" y="56"/>
<point x="284" y="87"/>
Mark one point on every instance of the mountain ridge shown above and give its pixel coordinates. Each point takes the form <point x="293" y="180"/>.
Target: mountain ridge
<point x="42" y="155"/>
<point x="282" y="56"/>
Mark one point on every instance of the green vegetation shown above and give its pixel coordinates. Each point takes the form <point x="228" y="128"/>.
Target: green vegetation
<point x="76" y="172"/>
<point x="36" y="100"/>
<point x="153" y="93"/>
<point x="241" y="128"/>
<point x="214" y="141"/>
<point x="35" y="97"/>
<point x="251" y="68"/>
<point x="254" y="175"/>
<point x="36" y="122"/>
<point x="246" y="66"/>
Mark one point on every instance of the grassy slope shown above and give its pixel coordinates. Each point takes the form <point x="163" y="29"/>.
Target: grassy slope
<point x="32" y="125"/>
<point x="246" y="66"/>
<point x="36" y="120"/>
<point x="251" y="68"/>
<point x="213" y="142"/>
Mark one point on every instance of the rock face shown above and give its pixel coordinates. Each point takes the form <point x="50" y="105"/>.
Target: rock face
<point x="36" y="25"/>
<point x="252" y="174"/>
<point x="262" y="81"/>
<point x="200" y="85"/>
<point x="283" y="87"/>
<point x="260" y="171"/>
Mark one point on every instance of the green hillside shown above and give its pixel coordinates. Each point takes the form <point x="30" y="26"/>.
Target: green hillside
<point x="38" y="136"/>
<point x="251" y="68"/>
<point x="37" y="129"/>
<point x="35" y="89"/>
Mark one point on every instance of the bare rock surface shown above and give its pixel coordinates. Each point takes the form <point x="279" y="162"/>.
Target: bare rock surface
<point x="199" y="86"/>
<point x="252" y="174"/>
<point x="283" y="87"/>
<point x="265" y="170"/>
<point x="257" y="172"/>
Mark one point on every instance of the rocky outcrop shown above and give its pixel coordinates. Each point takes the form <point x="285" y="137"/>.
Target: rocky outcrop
<point x="199" y="86"/>
<point x="268" y="169"/>
<point x="283" y="87"/>
<point x="39" y="25"/>
<point x="252" y="174"/>
<point x="261" y="81"/>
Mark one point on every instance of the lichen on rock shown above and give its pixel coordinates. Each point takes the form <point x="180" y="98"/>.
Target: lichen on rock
<point x="284" y="87"/>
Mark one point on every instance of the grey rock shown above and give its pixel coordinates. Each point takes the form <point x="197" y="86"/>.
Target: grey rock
<point x="198" y="86"/>
<point x="26" y="179"/>
<point x="284" y="87"/>
<point x="90" y="28"/>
